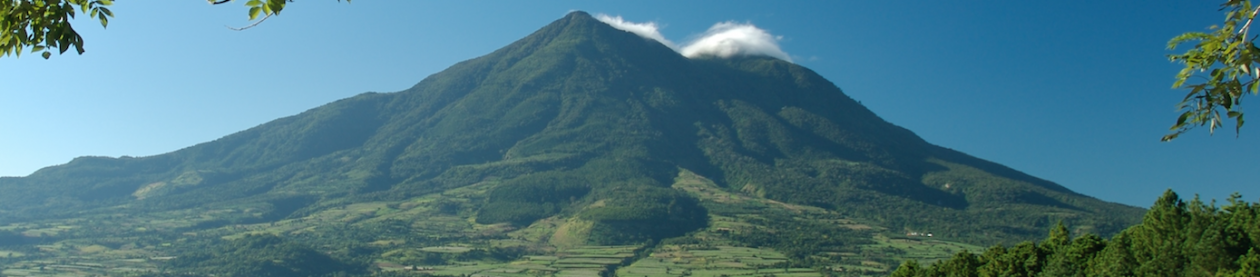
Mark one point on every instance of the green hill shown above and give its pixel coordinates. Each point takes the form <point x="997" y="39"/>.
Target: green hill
<point x="577" y="136"/>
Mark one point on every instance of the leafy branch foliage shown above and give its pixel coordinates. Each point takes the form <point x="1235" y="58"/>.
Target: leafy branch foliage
<point x="264" y="8"/>
<point x="44" y="25"/>
<point x="1228" y="56"/>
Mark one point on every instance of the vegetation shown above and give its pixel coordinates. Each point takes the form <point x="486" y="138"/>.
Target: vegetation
<point x="643" y="215"/>
<point x="264" y="8"/>
<point x="44" y="25"/>
<point x="10" y="238"/>
<point x="578" y="137"/>
<point x="1229" y="56"/>
<point x="584" y="150"/>
<point x="258" y="255"/>
<point x="1175" y="238"/>
<point x="523" y="200"/>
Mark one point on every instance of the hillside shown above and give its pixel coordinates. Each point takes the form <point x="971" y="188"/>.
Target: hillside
<point x="579" y="137"/>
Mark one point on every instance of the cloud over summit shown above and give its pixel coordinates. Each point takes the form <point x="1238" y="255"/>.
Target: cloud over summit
<point x="728" y="39"/>
<point x="724" y="39"/>
<point x="647" y="30"/>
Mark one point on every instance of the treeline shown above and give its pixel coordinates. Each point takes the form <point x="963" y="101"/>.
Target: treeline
<point x="639" y="214"/>
<point x="806" y="243"/>
<point x="626" y="199"/>
<point x="8" y="238"/>
<point x="1175" y="238"/>
<point x="523" y="200"/>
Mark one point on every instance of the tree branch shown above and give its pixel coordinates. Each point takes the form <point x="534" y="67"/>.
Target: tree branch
<point x="250" y="25"/>
<point x="1251" y="18"/>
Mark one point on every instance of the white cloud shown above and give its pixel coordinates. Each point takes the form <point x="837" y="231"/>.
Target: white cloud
<point x="728" y="39"/>
<point x="647" y="30"/>
<point x="725" y="39"/>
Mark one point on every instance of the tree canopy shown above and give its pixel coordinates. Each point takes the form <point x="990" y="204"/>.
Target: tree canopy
<point x="1175" y="238"/>
<point x="45" y="25"/>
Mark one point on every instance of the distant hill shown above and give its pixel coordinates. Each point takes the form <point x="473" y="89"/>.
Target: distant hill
<point x="576" y="136"/>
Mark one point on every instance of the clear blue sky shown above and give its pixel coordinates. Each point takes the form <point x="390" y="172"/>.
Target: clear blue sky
<point x="1076" y="92"/>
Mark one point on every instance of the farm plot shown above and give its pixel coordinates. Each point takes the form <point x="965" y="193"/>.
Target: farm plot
<point x="579" y="261"/>
<point x="925" y="250"/>
<point x="677" y="260"/>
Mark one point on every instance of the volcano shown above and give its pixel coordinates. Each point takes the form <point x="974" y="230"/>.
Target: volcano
<point x="579" y="134"/>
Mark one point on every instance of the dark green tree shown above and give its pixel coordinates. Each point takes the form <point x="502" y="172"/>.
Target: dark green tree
<point x="1115" y="259"/>
<point x="1249" y="265"/>
<point x="45" y="25"/>
<point x="1074" y="259"/>
<point x="963" y="264"/>
<point x="908" y="268"/>
<point x="1157" y="242"/>
<point x="1055" y="250"/>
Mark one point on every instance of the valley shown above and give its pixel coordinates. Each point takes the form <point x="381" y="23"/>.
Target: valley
<point x="425" y="235"/>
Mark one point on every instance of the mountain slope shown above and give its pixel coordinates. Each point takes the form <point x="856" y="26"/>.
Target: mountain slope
<point x="584" y="127"/>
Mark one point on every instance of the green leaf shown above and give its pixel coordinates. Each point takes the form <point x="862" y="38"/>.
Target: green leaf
<point x="276" y="5"/>
<point x="46" y="54"/>
<point x="78" y="42"/>
<point x="63" y="45"/>
<point x="1181" y="120"/>
<point x="253" y="12"/>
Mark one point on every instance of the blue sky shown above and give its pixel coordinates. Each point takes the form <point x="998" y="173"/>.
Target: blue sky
<point x="1076" y="92"/>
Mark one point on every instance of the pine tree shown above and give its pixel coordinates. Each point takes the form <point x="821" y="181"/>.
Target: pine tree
<point x="1249" y="265"/>
<point x="1073" y="259"/>
<point x="1115" y="259"/>
<point x="995" y="263"/>
<point x="1157" y="244"/>
<point x="963" y="264"/>
<point x="1054" y="248"/>
<point x="908" y="268"/>
<point x="1207" y="247"/>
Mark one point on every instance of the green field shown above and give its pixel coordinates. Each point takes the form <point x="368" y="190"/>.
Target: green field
<point x="580" y="261"/>
<point x="926" y="250"/>
<point x="437" y="234"/>
<point x="716" y="261"/>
